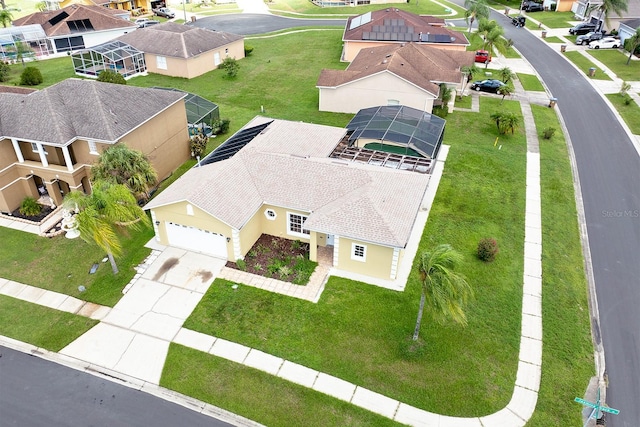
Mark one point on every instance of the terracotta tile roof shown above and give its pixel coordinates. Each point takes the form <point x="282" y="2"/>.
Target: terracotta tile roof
<point x="363" y="202"/>
<point x="101" y="18"/>
<point x="419" y="64"/>
<point x="181" y="41"/>
<point x="84" y="109"/>
<point x="404" y="22"/>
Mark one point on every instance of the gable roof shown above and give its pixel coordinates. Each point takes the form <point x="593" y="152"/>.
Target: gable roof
<point x="84" y="109"/>
<point x="395" y="25"/>
<point x="422" y="65"/>
<point x="60" y="22"/>
<point x="632" y="23"/>
<point x="362" y="202"/>
<point x="181" y="41"/>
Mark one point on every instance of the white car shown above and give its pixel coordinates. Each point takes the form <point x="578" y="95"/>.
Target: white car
<point x="606" y="42"/>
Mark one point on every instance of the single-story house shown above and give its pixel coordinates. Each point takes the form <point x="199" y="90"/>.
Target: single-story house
<point x="296" y="181"/>
<point x="50" y="138"/>
<point x="395" y="26"/>
<point x="398" y="74"/>
<point x="182" y="50"/>
<point x="76" y="27"/>
<point x="628" y="28"/>
<point x="586" y="9"/>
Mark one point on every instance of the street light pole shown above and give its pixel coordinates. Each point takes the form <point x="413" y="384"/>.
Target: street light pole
<point x="184" y="9"/>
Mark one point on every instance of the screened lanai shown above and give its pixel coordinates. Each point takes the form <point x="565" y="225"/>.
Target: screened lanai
<point x="201" y="112"/>
<point x="114" y="55"/>
<point x="30" y="40"/>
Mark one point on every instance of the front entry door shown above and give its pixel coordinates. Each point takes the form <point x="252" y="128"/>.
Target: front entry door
<point x="330" y="239"/>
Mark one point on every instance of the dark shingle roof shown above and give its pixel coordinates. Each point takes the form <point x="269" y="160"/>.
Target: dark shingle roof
<point x="84" y="109"/>
<point x="181" y="41"/>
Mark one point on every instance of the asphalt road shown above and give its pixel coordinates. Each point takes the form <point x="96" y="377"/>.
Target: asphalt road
<point x="254" y="23"/>
<point x="609" y="171"/>
<point x="38" y="393"/>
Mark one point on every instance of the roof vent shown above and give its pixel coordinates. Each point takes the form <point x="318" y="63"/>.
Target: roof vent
<point x="384" y="62"/>
<point x="388" y="55"/>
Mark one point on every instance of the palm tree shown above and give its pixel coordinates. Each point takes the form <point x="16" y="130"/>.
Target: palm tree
<point x="633" y="43"/>
<point x="506" y="74"/>
<point x="608" y="6"/>
<point x="5" y="17"/>
<point x="505" y="122"/>
<point x="504" y="91"/>
<point x="475" y="9"/>
<point x="102" y="213"/>
<point x="468" y="71"/>
<point x="444" y="291"/>
<point x="120" y="164"/>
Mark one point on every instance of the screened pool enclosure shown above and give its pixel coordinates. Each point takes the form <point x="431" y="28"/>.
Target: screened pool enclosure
<point x="201" y="112"/>
<point x="114" y="55"/>
<point x="23" y="42"/>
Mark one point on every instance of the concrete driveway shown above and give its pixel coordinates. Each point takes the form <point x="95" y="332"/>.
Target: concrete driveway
<point x="133" y="338"/>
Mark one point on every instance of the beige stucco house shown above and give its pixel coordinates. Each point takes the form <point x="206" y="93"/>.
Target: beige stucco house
<point x="398" y="74"/>
<point x="50" y="138"/>
<point x="182" y="50"/>
<point x="285" y="179"/>
<point x="393" y="26"/>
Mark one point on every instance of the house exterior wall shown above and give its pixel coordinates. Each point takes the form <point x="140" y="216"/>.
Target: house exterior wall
<point x="352" y="47"/>
<point x="372" y="91"/>
<point x="378" y="259"/>
<point x="564" y="5"/>
<point x="95" y="38"/>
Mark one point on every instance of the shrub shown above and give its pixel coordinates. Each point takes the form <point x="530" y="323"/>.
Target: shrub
<point x="627" y="99"/>
<point x="441" y="111"/>
<point x="230" y="65"/>
<point x="258" y="267"/>
<point x="198" y="145"/>
<point x="242" y="265"/>
<point x="248" y="50"/>
<point x="284" y="271"/>
<point x="547" y="133"/>
<point x="220" y="126"/>
<point x="4" y="72"/>
<point x="488" y="249"/>
<point x="30" y="207"/>
<point x="31" y="76"/>
<point x="110" y="76"/>
<point x="274" y="266"/>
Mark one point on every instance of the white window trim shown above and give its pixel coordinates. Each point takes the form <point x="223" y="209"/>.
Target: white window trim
<point x="190" y="210"/>
<point x="293" y="233"/>
<point x="355" y="257"/>
<point x="93" y="148"/>
<point x="34" y="148"/>
<point x="268" y="212"/>
<point x="161" y="62"/>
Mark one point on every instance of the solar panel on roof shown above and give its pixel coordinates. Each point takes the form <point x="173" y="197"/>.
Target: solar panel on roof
<point x="234" y="144"/>
<point x="59" y="17"/>
<point x="360" y="20"/>
<point x="443" y="38"/>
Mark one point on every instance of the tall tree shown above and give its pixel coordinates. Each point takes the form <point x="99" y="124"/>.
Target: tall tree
<point x="468" y="71"/>
<point x="120" y="164"/>
<point x="632" y="43"/>
<point x="103" y="213"/>
<point x="609" y="6"/>
<point x="504" y="91"/>
<point x="476" y="9"/>
<point x="444" y="291"/>
<point x="506" y="74"/>
<point x="5" y="16"/>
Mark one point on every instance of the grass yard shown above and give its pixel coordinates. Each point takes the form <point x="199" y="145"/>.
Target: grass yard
<point x="530" y="82"/>
<point x="257" y="395"/>
<point x="53" y="71"/>
<point x="616" y="60"/>
<point x="584" y="64"/>
<point x="306" y="7"/>
<point x="553" y="39"/>
<point x="41" y="326"/>
<point x="357" y="331"/>
<point x="463" y="102"/>
<point x="61" y="265"/>
<point x="630" y="113"/>
<point x="553" y="19"/>
<point x="567" y="358"/>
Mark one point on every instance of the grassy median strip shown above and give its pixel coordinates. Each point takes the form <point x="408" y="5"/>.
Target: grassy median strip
<point x="41" y="326"/>
<point x="630" y="112"/>
<point x="530" y="82"/>
<point x="567" y="358"/>
<point x="584" y="65"/>
<point x="257" y="395"/>
<point x="616" y="61"/>
<point x="61" y="265"/>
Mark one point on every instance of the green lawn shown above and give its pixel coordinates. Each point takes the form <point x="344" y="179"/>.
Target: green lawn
<point x="41" y="326"/>
<point x="306" y="7"/>
<point x="616" y="60"/>
<point x="463" y="102"/>
<point x="53" y="71"/>
<point x="211" y="9"/>
<point x="553" y="39"/>
<point x="61" y="264"/>
<point x="584" y="64"/>
<point x="554" y="19"/>
<point x="257" y="395"/>
<point x="630" y="113"/>
<point x="530" y="82"/>
<point x="567" y="358"/>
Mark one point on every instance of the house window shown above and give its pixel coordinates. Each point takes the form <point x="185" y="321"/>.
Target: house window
<point x="393" y="102"/>
<point x="358" y="252"/>
<point x="189" y="210"/>
<point x="270" y="214"/>
<point x="93" y="148"/>
<point x="34" y="148"/>
<point x="161" y="62"/>
<point x="216" y="59"/>
<point x="295" y="224"/>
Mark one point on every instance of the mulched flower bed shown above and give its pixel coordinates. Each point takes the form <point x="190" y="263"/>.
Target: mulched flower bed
<point x="278" y="258"/>
<point x="46" y="210"/>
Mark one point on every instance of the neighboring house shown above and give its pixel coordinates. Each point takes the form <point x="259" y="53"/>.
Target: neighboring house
<point x="133" y="7"/>
<point x="399" y="74"/>
<point x="77" y="27"/>
<point x="394" y="26"/>
<point x="588" y="10"/>
<point x="182" y="50"/>
<point x="50" y="138"/>
<point x="561" y="5"/>
<point x="299" y="181"/>
<point x="628" y="28"/>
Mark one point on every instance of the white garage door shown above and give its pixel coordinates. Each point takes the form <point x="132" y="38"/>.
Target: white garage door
<point x="196" y="240"/>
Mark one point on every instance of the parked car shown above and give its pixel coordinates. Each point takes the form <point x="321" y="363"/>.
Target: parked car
<point x="605" y="43"/>
<point x="164" y="12"/>
<point x="489" y="85"/>
<point x="582" y="28"/>
<point x="483" y="56"/>
<point x="518" y="21"/>
<point x="585" y="39"/>
<point x="532" y="6"/>
<point x="145" y="22"/>
<point x="149" y="23"/>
